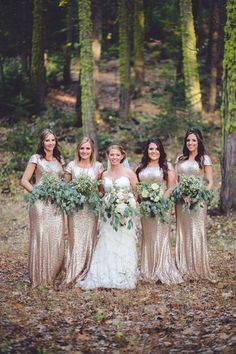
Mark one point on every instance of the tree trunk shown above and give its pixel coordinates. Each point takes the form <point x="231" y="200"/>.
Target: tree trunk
<point x="191" y="76"/>
<point x="138" y="47"/>
<point x="124" y="58"/>
<point x="68" y="45"/>
<point x="37" y="61"/>
<point x="86" y="68"/>
<point x="228" y="188"/>
<point x="97" y="44"/>
<point x="216" y="33"/>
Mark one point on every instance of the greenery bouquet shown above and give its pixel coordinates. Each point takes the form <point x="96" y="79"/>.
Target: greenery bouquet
<point x="192" y="193"/>
<point x="47" y="190"/>
<point x="67" y="197"/>
<point x="152" y="202"/>
<point x="119" y="207"/>
<point x="84" y="190"/>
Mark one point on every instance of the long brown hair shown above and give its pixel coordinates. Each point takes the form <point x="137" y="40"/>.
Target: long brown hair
<point x="201" y="149"/>
<point x="40" y="149"/>
<point x="145" y="158"/>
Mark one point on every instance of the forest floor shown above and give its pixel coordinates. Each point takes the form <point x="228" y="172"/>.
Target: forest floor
<point x="194" y="317"/>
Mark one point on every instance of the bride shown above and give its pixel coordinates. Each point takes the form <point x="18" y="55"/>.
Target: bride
<point x="114" y="263"/>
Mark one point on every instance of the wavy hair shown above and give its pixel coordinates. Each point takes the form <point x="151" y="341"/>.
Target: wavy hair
<point x="82" y="141"/>
<point x="145" y="158"/>
<point x="201" y="149"/>
<point x="40" y="149"/>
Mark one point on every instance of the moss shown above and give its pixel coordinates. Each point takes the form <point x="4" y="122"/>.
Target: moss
<point x="124" y="57"/>
<point x="138" y="44"/>
<point x="191" y="75"/>
<point x="229" y="76"/>
<point x="37" y="62"/>
<point x="86" y="68"/>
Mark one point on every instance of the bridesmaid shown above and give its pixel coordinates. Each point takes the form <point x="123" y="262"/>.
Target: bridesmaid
<point x="82" y="226"/>
<point x="46" y="249"/>
<point x="191" y="243"/>
<point x="156" y="259"/>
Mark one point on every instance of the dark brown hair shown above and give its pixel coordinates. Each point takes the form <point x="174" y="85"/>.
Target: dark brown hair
<point x="40" y="149"/>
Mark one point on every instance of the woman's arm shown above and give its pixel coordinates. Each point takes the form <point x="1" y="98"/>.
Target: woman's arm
<point x="68" y="177"/>
<point x="133" y="180"/>
<point x="209" y="176"/>
<point x="25" y="180"/>
<point x="171" y="182"/>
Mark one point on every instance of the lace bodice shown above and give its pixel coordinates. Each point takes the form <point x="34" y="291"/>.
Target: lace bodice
<point x="191" y="167"/>
<point x="45" y="166"/>
<point x="76" y="171"/>
<point x="121" y="182"/>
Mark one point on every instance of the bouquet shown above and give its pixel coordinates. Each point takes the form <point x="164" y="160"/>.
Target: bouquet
<point x="84" y="190"/>
<point x="119" y="207"/>
<point x="47" y="190"/>
<point x="192" y="193"/>
<point x="67" y="197"/>
<point x="152" y="202"/>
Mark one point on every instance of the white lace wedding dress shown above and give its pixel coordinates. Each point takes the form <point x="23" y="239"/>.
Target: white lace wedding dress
<point x="114" y="262"/>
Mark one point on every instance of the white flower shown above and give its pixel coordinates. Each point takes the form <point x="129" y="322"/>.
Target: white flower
<point x="132" y="202"/>
<point x="155" y="186"/>
<point x="157" y="198"/>
<point x="144" y="194"/>
<point x="121" y="208"/>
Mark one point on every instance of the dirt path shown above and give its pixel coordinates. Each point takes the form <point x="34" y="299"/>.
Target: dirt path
<point x="195" y="317"/>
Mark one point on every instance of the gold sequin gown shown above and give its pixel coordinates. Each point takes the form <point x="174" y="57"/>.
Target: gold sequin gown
<point x="46" y="248"/>
<point x="157" y="262"/>
<point x="191" y="244"/>
<point x="82" y="229"/>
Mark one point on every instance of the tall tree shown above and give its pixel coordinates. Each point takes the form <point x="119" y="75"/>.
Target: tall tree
<point x="124" y="58"/>
<point x="191" y="75"/>
<point x="37" y="61"/>
<point x="68" y="44"/>
<point x="228" y="188"/>
<point x="86" y="68"/>
<point x="97" y="43"/>
<point x="138" y="47"/>
<point x="216" y="33"/>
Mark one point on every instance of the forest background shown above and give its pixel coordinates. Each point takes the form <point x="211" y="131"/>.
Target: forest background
<point x="119" y="71"/>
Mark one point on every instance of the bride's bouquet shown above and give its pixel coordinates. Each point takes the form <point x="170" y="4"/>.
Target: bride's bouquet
<point x="152" y="201"/>
<point x="119" y="207"/>
<point x="192" y="193"/>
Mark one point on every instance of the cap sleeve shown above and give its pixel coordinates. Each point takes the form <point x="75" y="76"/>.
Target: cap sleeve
<point x="99" y="167"/>
<point x="177" y="159"/>
<point x="207" y="161"/>
<point x="68" y="168"/>
<point x="34" y="159"/>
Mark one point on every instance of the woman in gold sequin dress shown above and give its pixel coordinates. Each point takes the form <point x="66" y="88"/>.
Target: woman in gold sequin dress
<point x="46" y="250"/>
<point x="191" y="243"/>
<point x="82" y="225"/>
<point x="157" y="262"/>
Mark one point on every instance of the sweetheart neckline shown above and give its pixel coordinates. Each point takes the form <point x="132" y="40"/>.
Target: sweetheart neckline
<point x="114" y="180"/>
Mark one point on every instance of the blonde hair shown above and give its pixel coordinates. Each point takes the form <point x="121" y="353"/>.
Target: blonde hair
<point x="118" y="147"/>
<point x="92" y="144"/>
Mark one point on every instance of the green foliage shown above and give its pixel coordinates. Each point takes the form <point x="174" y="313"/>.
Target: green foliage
<point x="192" y="193"/>
<point x="6" y="346"/>
<point x="152" y="202"/>
<point x="67" y="197"/>
<point x="54" y="65"/>
<point x="14" y="91"/>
